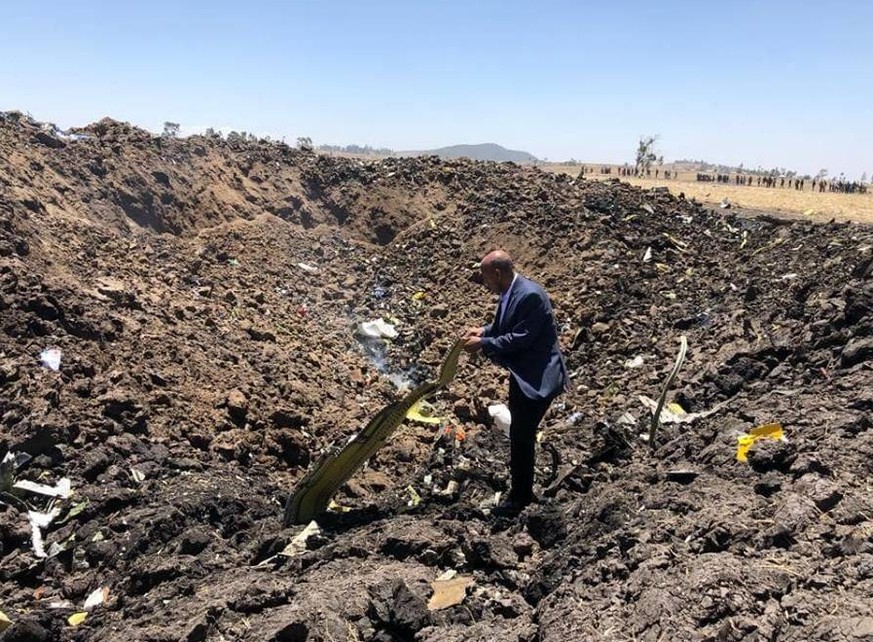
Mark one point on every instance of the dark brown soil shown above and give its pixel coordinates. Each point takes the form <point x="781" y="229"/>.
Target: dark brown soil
<point x="203" y="369"/>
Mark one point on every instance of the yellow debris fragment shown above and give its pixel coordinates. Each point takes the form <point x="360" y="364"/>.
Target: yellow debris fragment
<point x="5" y="622"/>
<point x="676" y="409"/>
<point x="764" y="431"/>
<point x="418" y="296"/>
<point x="423" y="412"/>
<point x="338" y="508"/>
<point x="77" y="618"/>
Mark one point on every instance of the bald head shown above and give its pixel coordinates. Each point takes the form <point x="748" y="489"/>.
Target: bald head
<point x="498" y="259"/>
<point x="497" y="271"/>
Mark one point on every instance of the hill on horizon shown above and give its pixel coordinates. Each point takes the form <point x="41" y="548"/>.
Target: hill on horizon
<point x="481" y="152"/>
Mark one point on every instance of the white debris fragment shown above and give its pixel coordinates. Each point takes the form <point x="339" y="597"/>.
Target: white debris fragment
<point x="51" y="358"/>
<point x="636" y="362"/>
<point x="501" y="417"/>
<point x="96" y="598"/>
<point x="670" y="417"/>
<point x="61" y="489"/>
<point x="377" y="329"/>
<point x="38" y="521"/>
<point x="298" y="544"/>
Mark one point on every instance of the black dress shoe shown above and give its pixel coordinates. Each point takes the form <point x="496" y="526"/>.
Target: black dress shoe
<point x="509" y="508"/>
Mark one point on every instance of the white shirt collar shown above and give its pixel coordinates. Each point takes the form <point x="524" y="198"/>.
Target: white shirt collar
<point x="509" y="289"/>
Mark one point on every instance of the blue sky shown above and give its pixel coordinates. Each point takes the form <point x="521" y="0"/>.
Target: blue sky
<point x="771" y="83"/>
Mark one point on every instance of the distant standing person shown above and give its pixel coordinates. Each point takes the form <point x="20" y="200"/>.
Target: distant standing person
<point x="524" y="339"/>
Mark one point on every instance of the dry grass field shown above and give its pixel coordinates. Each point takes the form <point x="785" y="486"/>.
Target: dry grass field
<point x="781" y="201"/>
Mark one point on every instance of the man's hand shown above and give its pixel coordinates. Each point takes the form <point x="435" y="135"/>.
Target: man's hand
<point x="474" y="332"/>
<point x="472" y="343"/>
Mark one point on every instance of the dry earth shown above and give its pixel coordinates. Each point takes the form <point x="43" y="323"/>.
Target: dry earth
<point x="203" y="369"/>
<point x="785" y="202"/>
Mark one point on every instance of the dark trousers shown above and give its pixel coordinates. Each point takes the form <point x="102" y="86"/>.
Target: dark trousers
<point x="526" y="416"/>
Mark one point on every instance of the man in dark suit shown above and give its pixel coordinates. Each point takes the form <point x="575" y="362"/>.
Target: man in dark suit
<point x="524" y="339"/>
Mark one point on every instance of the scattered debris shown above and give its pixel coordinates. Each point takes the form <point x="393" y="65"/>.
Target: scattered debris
<point x="764" y="431"/>
<point x="96" y="598"/>
<point x="377" y="329"/>
<point x="65" y="605"/>
<point x="449" y="589"/>
<point x="6" y="470"/>
<point x="77" y="618"/>
<point x="61" y="489"/>
<point x="671" y="413"/>
<point x="636" y="362"/>
<point x="681" y="475"/>
<point x="145" y="389"/>
<point x="423" y="413"/>
<point x="39" y="521"/>
<point x="656" y="414"/>
<point x="51" y="358"/>
<point x="297" y="545"/>
<point x="501" y="417"/>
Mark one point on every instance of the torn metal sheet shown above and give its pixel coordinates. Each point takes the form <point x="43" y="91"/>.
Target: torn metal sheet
<point x="61" y="489"/>
<point x="449" y="589"/>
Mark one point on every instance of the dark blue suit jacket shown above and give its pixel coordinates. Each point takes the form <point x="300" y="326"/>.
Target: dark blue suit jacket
<point x="524" y="339"/>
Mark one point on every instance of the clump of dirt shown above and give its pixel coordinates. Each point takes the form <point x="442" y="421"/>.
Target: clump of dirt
<point x="204" y="296"/>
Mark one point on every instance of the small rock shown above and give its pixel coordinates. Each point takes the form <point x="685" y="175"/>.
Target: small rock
<point x="490" y="552"/>
<point x="808" y="463"/>
<point x="769" y="484"/>
<point x="257" y="333"/>
<point x="463" y="410"/>
<point x="194" y="541"/>
<point x="825" y="493"/>
<point x="439" y="312"/>
<point x="523" y="545"/>
<point x="237" y="405"/>
<point x="26" y="631"/>
<point x="394" y="605"/>
<point x="856" y="351"/>
<point x="546" y="526"/>
<point x="287" y="418"/>
<point x="769" y="454"/>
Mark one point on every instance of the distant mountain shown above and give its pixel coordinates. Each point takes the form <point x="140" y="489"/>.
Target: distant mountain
<point x="483" y="152"/>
